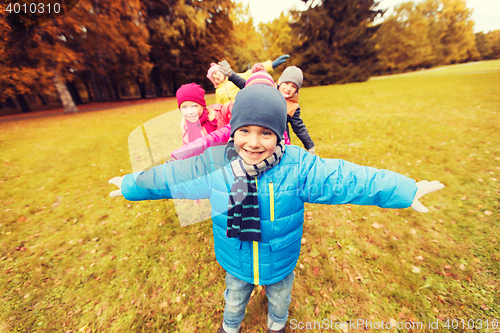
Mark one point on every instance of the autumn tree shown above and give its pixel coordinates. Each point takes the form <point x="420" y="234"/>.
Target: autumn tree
<point x="36" y="60"/>
<point x="488" y="44"/>
<point x="185" y="36"/>
<point x="113" y="44"/>
<point x="247" y="46"/>
<point x="278" y="37"/>
<point x="450" y="30"/>
<point x="402" y="40"/>
<point x="338" y="44"/>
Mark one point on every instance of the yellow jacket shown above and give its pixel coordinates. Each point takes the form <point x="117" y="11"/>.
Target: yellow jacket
<point x="226" y="91"/>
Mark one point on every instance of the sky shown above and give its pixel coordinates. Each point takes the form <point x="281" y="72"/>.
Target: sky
<point x="486" y="13"/>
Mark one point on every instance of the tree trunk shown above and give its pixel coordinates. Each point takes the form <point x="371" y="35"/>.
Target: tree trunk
<point x="155" y="76"/>
<point x="64" y="95"/>
<point x="89" y="92"/>
<point x="99" y="88"/>
<point x="115" y="88"/>
<point x="75" y="94"/>
<point x="142" y="88"/>
<point x="9" y="102"/>
<point x="21" y="100"/>
<point x="44" y="102"/>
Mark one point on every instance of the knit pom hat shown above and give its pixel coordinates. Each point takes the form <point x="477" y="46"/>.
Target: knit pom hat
<point x="258" y="67"/>
<point x="259" y="105"/>
<point x="261" y="77"/>
<point x="213" y="67"/>
<point x="191" y="92"/>
<point x="292" y="74"/>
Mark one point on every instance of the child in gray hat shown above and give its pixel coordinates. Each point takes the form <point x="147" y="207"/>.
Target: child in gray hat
<point x="289" y="84"/>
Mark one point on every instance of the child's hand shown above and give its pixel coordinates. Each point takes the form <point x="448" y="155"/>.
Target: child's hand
<point x="225" y="68"/>
<point x="118" y="182"/>
<point x="280" y="60"/>
<point x="424" y="187"/>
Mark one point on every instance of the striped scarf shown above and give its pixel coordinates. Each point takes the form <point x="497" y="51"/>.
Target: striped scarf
<point x="243" y="217"/>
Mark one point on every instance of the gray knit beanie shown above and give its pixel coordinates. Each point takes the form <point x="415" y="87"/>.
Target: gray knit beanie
<point x="259" y="105"/>
<point x="292" y="74"/>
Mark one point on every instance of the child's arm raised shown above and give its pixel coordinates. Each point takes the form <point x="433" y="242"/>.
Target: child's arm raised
<point x="185" y="179"/>
<point x="336" y="182"/>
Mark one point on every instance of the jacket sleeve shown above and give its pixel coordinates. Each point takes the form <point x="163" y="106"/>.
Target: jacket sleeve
<point x="337" y="182"/>
<point x="185" y="179"/>
<point x="300" y="129"/>
<point x="198" y="146"/>
<point x="237" y="80"/>
<point x="268" y="66"/>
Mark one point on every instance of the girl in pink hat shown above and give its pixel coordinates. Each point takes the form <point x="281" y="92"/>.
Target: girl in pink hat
<point x="198" y="119"/>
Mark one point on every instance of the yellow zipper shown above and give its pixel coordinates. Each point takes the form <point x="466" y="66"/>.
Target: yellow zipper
<point x="256" y="254"/>
<point x="271" y="194"/>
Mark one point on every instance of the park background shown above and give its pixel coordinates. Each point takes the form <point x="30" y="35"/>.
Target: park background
<point x="74" y="260"/>
<point x="104" y="51"/>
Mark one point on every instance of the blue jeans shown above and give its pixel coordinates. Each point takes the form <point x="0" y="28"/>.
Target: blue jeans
<point x="237" y="295"/>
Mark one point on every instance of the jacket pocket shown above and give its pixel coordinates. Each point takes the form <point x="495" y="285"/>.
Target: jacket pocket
<point x="285" y="251"/>
<point x="227" y="250"/>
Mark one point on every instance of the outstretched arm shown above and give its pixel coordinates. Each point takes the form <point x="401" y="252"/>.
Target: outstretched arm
<point x="226" y="69"/>
<point x="185" y="179"/>
<point x="329" y="181"/>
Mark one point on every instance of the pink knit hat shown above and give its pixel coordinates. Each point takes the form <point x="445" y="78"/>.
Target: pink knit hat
<point x="261" y="77"/>
<point x="213" y="67"/>
<point x="191" y="92"/>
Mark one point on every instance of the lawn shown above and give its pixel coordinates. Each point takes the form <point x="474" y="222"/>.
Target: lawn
<point x="72" y="259"/>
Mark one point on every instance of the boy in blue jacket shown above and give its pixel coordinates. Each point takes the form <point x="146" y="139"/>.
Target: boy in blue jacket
<point x="257" y="188"/>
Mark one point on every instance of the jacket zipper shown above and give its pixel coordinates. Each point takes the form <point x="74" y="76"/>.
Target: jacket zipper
<point x="256" y="253"/>
<point x="271" y="194"/>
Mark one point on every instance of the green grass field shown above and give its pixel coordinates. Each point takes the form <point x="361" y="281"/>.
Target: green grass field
<point x="72" y="259"/>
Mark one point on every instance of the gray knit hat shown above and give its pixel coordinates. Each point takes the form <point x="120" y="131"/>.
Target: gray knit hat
<point x="292" y="74"/>
<point x="259" y="105"/>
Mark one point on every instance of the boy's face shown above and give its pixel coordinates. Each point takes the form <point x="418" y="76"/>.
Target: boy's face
<point x="254" y="143"/>
<point x="191" y="111"/>
<point x="288" y="89"/>
<point x="218" y="77"/>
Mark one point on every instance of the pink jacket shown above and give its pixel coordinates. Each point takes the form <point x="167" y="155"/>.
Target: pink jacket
<point x="216" y="138"/>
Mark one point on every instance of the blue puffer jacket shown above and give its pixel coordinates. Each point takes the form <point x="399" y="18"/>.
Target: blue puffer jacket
<point x="299" y="177"/>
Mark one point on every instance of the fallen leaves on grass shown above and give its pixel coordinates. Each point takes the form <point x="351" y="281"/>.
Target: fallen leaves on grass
<point x="415" y="269"/>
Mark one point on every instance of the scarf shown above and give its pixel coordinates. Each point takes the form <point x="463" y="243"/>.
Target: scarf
<point x="194" y="130"/>
<point x="292" y="104"/>
<point x="243" y="217"/>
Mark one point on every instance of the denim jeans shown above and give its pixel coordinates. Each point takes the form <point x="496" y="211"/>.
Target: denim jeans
<point x="237" y="295"/>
